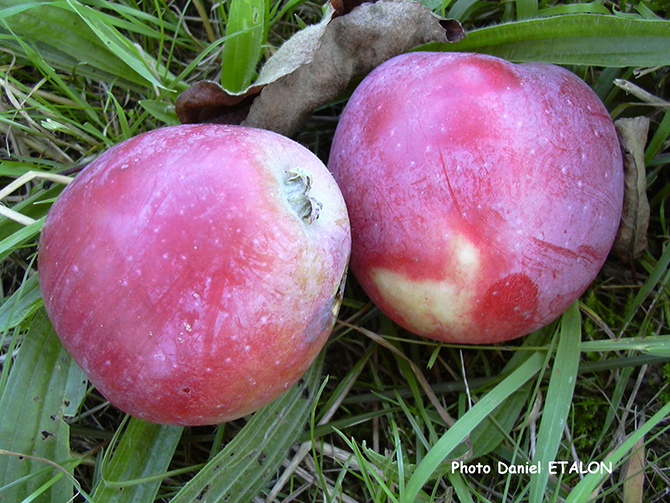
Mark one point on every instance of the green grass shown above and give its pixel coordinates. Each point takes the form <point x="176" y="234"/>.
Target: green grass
<point x="385" y="412"/>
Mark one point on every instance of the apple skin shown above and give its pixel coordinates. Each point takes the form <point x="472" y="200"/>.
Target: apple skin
<point x="484" y="196"/>
<point x="181" y="280"/>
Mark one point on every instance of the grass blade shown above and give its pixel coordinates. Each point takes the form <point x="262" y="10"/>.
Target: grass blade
<point x="660" y="137"/>
<point x="240" y="470"/>
<point x="572" y="39"/>
<point x="161" y="111"/>
<point x="658" y="345"/>
<point x="591" y="7"/>
<point x="246" y="29"/>
<point x="21" y="304"/>
<point x="526" y="9"/>
<point x="460" y="9"/>
<point x="144" y="451"/>
<point x="44" y="382"/>
<point x="461" y="429"/>
<point x="493" y="430"/>
<point x="11" y="242"/>
<point x="559" y="399"/>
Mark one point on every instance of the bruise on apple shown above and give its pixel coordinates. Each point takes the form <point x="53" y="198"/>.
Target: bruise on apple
<point x="183" y="281"/>
<point x="483" y="196"/>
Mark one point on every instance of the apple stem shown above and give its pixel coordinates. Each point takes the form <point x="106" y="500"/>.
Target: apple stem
<point x="298" y="184"/>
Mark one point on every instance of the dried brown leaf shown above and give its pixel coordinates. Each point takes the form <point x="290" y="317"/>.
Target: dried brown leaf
<point x="631" y="238"/>
<point x="317" y="63"/>
<point x="297" y="51"/>
<point x="633" y="475"/>
<point x="207" y="101"/>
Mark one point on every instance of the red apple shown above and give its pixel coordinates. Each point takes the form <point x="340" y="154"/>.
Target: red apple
<point x="194" y="272"/>
<point x="484" y="196"/>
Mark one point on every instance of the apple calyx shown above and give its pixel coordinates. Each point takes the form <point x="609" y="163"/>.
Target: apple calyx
<point x="298" y="184"/>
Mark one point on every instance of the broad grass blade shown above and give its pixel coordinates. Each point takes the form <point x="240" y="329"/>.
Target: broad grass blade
<point x="161" y="111"/>
<point x="21" y="304"/>
<point x="241" y="469"/>
<point x="145" y="450"/>
<point x="495" y="428"/>
<point x="11" y="242"/>
<point x="572" y="39"/>
<point x="241" y="52"/>
<point x="591" y="7"/>
<point x="559" y="399"/>
<point x="44" y="385"/>
<point x="460" y="9"/>
<point x="526" y="9"/>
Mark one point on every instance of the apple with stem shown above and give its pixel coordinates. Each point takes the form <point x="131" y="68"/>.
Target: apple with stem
<point x="195" y="272"/>
<point x="484" y="196"/>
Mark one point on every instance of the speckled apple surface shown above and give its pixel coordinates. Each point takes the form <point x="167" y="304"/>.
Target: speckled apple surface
<point x="181" y="279"/>
<point x="484" y="196"/>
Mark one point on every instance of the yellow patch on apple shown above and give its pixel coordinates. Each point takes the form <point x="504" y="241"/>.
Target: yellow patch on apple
<point x="431" y="305"/>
